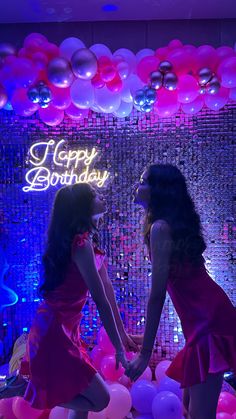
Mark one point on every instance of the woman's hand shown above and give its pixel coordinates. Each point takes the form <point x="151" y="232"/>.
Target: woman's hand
<point x="129" y="343"/>
<point x="137" y="366"/>
<point x="121" y="358"/>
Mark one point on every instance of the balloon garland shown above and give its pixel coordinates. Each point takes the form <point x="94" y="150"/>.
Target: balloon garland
<point x="72" y="79"/>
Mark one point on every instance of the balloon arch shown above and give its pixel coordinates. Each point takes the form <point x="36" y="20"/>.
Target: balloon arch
<point x="71" y="79"/>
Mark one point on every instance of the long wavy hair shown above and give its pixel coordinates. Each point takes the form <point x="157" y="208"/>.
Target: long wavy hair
<point x="171" y="201"/>
<point x="71" y="214"/>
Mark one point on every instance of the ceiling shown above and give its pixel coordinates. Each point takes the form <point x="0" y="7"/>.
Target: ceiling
<point x="29" y="11"/>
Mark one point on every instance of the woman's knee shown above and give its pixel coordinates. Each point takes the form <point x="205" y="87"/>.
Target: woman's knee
<point x="102" y="400"/>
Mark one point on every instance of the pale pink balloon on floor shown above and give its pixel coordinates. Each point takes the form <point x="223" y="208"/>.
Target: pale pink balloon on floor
<point x="161" y="369"/>
<point x="108" y="368"/>
<point x="59" y="413"/>
<point x="125" y="381"/>
<point x="97" y="415"/>
<point x="23" y="410"/>
<point x="6" y="408"/>
<point x="146" y="375"/>
<point x="120" y="402"/>
<point x="223" y="415"/>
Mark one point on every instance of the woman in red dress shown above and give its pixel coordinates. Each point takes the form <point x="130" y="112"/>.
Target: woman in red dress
<point x="173" y="235"/>
<point x="60" y="373"/>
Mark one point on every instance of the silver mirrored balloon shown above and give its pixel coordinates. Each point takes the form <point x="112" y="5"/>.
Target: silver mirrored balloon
<point x="204" y="76"/>
<point x="139" y="98"/>
<point x="44" y="105"/>
<point x="156" y="78"/>
<point x="202" y="90"/>
<point x="45" y="94"/>
<point x="146" y="107"/>
<point x="59" y="72"/>
<point x="165" y="66"/>
<point x="150" y="95"/>
<point x="33" y="95"/>
<point x="170" y="81"/>
<point x="84" y="64"/>
<point x="213" y="86"/>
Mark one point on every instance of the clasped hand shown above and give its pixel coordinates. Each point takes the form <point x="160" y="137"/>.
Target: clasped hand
<point x="134" y="368"/>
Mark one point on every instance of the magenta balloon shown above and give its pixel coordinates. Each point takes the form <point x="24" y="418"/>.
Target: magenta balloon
<point x="22" y="409"/>
<point x="217" y="101"/>
<point x="224" y="415"/>
<point x="167" y="103"/>
<point x="6" y="408"/>
<point x="21" y="103"/>
<point x="35" y="37"/>
<point x="59" y="72"/>
<point x="128" y="56"/>
<point x="166" y="405"/>
<point x="162" y="53"/>
<point x="60" y="97"/>
<point x="75" y="113"/>
<point x="188" y="89"/>
<point x="224" y="52"/>
<point x="108" y="368"/>
<point x="143" y="393"/>
<point x="25" y="72"/>
<point x="181" y="60"/>
<point x="51" y="116"/>
<point x="226" y="403"/>
<point x="104" y="342"/>
<point x="207" y="57"/>
<point x="40" y="60"/>
<point x="227" y="72"/>
<point x="146" y="66"/>
<point x="175" y="43"/>
<point x="193" y="107"/>
<point x="97" y="354"/>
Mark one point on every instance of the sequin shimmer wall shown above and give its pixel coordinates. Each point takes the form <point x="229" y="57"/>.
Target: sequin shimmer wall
<point x="202" y="147"/>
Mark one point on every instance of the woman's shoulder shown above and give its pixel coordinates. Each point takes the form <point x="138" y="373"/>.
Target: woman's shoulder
<point x="80" y="239"/>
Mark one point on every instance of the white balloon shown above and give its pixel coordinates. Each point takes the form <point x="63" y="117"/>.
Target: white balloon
<point x="59" y="413"/>
<point x="134" y="84"/>
<point x="144" y="53"/>
<point x="82" y="93"/>
<point x="129" y="57"/>
<point x="125" y="92"/>
<point x="101" y="50"/>
<point x="106" y="100"/>
<point x="69" y="46"/>
<point x="124" y="110"/>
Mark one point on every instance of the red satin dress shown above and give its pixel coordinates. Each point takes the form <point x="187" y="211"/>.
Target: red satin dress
<point x="58" y="362"/>
<point x="208" y="320"/>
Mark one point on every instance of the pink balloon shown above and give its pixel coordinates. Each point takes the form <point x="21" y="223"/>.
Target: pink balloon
<point x="97" y="82"/>
<point x="59" y="413"/>
<point x="226" y="403"/>
<point x="60" y="97"/>
<point x="223" y="415"/>
<point x="108" y="368"/>
<point x="146" y="66"/>
<point x="193" y="107"/>
<point x="224" y="52"/>
<point x="146" y="375"/>
<point x="38" y="38"/>
<point x="120" y="401"/>
<point x="125" y="381"/>
<point x="21" y="103"/>
<point x="207" y="57"/>
<point x="188" y="89"/>
<point x="25" y="72"/>
<point x="40" y="60"/>
<point x="23" y="410"/>
<point x="161" y="369"/>
<point x="167" y="103"/>
<point x="227" y="72"/>
<point x="6" y="408"/>
<point x="96" y="355"/>
<point x="162" y="53"/>
<point x="51" y="115"/>
<point x="130" y="355"/>
<point x="104" y="342"/>
<point x="217" y="101"/>
<point x="115" y="85"/>
<point x="181" y="60"/>
<point x="98" y="415"/>
<point x="51" y="50"/>
<point x="175" y="43"/>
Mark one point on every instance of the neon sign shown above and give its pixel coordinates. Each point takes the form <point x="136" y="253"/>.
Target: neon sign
<point x="71" y="166"/>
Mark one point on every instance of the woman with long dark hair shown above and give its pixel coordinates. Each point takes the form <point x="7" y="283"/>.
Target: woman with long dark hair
<point x="173" y="234"/>
<point x="60" y="373"/>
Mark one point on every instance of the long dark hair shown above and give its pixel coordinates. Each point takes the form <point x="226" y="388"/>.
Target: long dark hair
<point x="71" y="214"/>
<point x="171" y="201"/>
